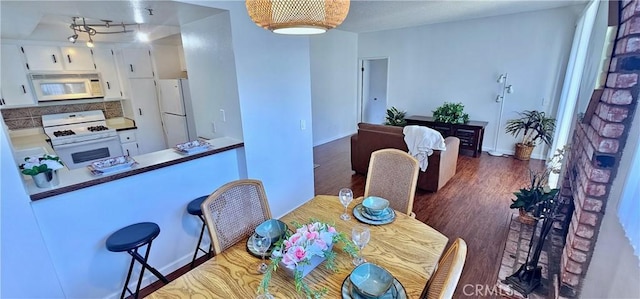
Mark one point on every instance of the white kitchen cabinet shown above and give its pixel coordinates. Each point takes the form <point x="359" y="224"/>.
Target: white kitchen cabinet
<point x="43" y="58"/>
<point x="15" y="86"/>
<point x="77" y="59"/>
<point x="128" y="141"/>
<point x="146" y="113"/>
<point x="106" y="65"/>
<point x="137" y="63"/>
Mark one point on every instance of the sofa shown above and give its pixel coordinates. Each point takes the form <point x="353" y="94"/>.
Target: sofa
<point x="372" y="137"/>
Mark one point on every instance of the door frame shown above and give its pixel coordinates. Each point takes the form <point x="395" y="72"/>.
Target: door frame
<point x="360" y="100"/>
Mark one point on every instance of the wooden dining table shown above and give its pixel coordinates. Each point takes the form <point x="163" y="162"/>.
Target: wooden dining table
<point x="407" y="248"/>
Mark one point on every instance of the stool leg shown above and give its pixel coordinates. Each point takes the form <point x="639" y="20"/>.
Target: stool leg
<point x="126" y="282"/>
<point x="144" y="263"/>
<point x="198" y="246"/>
<point x="135" y="296"/>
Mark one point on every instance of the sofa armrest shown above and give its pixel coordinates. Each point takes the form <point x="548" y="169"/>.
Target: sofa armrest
<point x="449" y="160"/>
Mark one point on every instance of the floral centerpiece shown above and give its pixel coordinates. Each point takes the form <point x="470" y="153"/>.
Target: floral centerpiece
<point x="306" y="248"/>
<point x="38" y="164"/>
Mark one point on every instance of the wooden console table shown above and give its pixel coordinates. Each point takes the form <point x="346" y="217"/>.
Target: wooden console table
<point x="471" y="134"/>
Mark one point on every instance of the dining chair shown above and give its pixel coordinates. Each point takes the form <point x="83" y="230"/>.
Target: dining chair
<point x="393" y="175"/>
<point x="233" y="211"/>
<point x="444" y="280"/>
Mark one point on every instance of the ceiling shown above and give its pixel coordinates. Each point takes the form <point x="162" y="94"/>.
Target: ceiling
<point x="50" y="20"/>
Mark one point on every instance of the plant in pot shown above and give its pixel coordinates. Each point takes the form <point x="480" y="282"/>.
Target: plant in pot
<point x="42" y="169"/>
<point x="531" y="200"/>
<point x="451" y="113"/>
<point x="395" y="117"/>
<point x="536" y="128"/>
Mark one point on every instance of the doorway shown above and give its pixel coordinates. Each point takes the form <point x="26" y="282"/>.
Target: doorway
<point x="373" y="90"/>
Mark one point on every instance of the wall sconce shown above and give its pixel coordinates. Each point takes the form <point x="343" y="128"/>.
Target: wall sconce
<point x="502" y="79"/>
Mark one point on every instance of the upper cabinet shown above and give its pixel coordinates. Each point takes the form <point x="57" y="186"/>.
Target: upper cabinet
<point x="137" y="63"/>
<point x="106" y="65"/>
<point x="15" y="84"/>
<point x="77" y="59"/>
<point x="52" y="58"/>
<point x="43" y="58"/>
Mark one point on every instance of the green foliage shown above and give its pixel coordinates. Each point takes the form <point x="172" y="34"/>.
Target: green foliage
<point x="451" y="113"/>
<point x="533" y="198"/>
<point x="535" y="125"/>
<point x="395" y="117"/>
<point x="39" y="164"/>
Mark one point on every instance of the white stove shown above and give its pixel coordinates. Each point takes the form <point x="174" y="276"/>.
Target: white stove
<point x="81" y="137"/>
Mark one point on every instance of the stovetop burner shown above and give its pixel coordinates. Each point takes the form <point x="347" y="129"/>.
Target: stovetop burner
<point x="97" y="128"/>
<point x="63" y="133"/>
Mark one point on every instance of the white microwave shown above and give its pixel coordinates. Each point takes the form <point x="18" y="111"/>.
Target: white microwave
<point x="59" y="87"/>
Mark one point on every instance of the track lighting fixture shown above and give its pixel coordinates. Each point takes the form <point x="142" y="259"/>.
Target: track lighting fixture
<point x="79" y="24"/>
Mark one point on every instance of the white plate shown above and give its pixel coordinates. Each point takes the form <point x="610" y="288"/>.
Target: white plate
<point x="112" y="164"/>
<point x="358" y="211"/>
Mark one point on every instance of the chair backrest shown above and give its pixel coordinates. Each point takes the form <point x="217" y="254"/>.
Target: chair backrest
<point x="393" y="175"/>
<point x="444" y="280"/>
<point x="233" y="211"/>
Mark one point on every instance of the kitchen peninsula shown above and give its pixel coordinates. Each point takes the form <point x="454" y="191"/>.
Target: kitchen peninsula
<point x="74" y="179"/>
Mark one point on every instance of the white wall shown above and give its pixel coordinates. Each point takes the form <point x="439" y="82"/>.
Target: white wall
<point x="274" y="86"/>
<point x="334" y="71"/>
<point x="461" y="61"/>
<point x="614" y="270"/>
<point x="167" y="59"/>
<point x="26" y="268"/>
<point x="212" y="76"/>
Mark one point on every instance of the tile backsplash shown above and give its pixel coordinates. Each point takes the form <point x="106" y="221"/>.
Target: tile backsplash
<point x="31" y="117"/>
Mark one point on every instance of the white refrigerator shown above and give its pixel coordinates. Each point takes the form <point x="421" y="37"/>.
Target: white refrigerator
<point x="176" y="111"/>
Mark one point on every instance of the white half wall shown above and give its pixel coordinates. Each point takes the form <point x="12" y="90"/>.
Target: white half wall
<point x="334" y="76"/>
<point x="461" y="61"/>
<point x="26" y="269"/>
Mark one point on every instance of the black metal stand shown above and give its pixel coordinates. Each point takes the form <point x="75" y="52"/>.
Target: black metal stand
<point x="195" y="254"/>
<point x="529" y="276"/>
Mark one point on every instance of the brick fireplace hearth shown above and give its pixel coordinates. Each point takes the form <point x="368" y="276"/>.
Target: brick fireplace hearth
<point x="596" y="149"/>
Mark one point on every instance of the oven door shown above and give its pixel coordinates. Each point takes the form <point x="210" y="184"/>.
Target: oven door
<point x="80" y="154"/>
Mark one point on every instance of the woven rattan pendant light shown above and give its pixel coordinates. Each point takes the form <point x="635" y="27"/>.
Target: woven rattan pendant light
<point x="298" y="16"/>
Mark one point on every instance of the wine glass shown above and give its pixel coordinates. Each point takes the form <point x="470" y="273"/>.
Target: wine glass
<point x="261" y="244"/>
<point x="360" y="236"/>
<point x="346" y="196"/>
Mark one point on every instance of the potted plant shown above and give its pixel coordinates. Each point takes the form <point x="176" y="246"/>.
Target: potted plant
<point x="395" y="117"/>
<point x="43" y="169"/>
<point x="531" y="200"/>
<point x="536" y="128"/>
<point x="451" y="113"/>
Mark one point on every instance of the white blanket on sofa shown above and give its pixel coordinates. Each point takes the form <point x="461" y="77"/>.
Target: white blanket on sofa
<point x="421" y="142"/>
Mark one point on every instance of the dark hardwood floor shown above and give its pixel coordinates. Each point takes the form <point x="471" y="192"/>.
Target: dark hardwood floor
<point x="474" y="205"/>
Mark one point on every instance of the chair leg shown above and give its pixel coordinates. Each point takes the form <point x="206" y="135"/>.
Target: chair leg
<point x="144" y="263"/>
<point x="126" y="282"/>
<point x="195" y="254"/>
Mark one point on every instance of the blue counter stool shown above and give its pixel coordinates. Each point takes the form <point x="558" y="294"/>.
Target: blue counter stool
<point x="129" y="239"/>
<point x="194" y="208"/>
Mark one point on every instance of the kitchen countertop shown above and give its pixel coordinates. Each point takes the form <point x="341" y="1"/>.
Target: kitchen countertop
<point x="121" y="123"/>
<point x="32" y="141"/>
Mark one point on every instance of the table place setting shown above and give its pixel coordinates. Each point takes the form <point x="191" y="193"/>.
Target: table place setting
<point x="375" y="211"/>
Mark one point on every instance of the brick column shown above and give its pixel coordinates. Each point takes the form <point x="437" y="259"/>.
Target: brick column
<point x="596" y="151"/>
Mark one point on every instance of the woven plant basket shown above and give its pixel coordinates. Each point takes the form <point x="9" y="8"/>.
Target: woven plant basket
<point x="525" y="218"/>
<point x="523" y="152"/>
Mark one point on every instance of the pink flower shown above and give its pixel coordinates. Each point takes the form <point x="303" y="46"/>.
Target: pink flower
<point x="294" y="238"/>
<point x="331" y="229"/>
<point x="299" y="253"/>
<point x="311" y="235"/>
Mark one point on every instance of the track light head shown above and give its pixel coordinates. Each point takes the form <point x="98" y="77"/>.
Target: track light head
<point x="73" y="38"/>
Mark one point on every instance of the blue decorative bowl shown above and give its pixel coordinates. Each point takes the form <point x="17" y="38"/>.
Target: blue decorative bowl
<point x="371" y="280"/>
<point x="272" y="228"/>
<point x="374" y="205"/>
